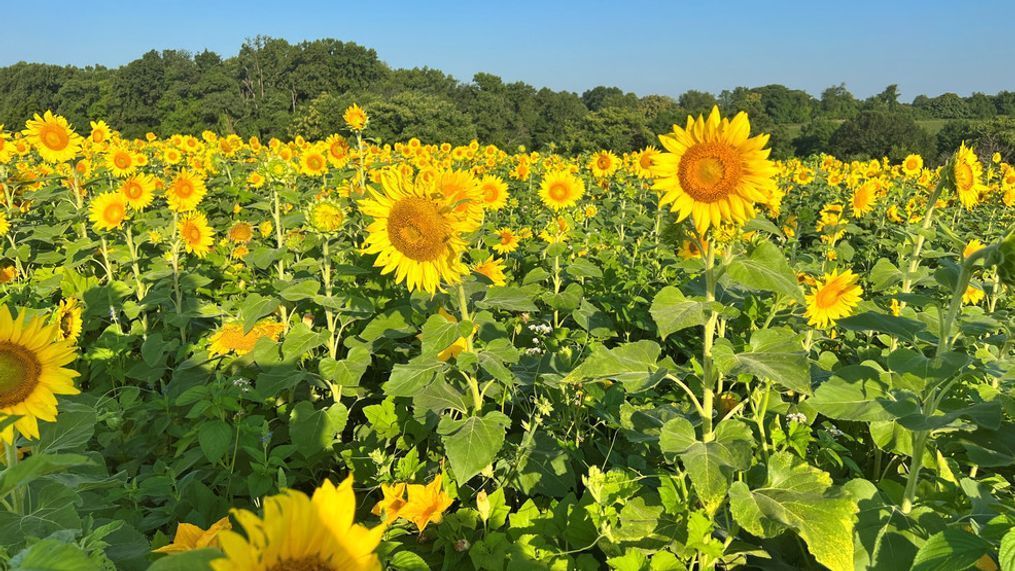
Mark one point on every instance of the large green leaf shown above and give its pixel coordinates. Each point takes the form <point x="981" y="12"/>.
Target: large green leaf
<point x="710" y="465"/>
<point x="510" y="298"/>
<point x="472" y="443"/>
<point x="885" y="540"/>
<point x="766" y="269"/>
<point x="439" y="332"/>
<point x="35" y="466"/>
<point x="672" y="311"/>
<point x="254" y="308"/>
<point x="902" y="327"/>
<point x="856" y="392"/>
<point x="214" y="437"/>
<point x="196" y="560"/>
<point x="635" y="365"/>
<point x="314" y="430"/>
<point x="950" y="550"/>
<point x="775" y="354"/>
<point x="409" y="378"/>
<point x="799" y="497"/>
<point x="52" y="555"/>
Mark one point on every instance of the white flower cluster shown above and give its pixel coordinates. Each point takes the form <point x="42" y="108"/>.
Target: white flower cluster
<point x="531" y="351"/>
<point x="242" y="384"/>
<point x="797" y="417"/>
<point x="540" y="328"/>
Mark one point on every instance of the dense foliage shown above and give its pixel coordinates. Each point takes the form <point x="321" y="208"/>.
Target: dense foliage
<point x="272" y="88"/>
<point x="336" y="354"/>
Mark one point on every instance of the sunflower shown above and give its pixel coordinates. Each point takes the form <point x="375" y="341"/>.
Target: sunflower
<point x="241" y="233"/>
<point x="186" y="191"/>
<point x="560" y="189"/>
<point x="714" y="170"/>
<point x="643" y="161"/>
<point x="313" y="163"/>
<point x="232" y="338"/>
<point x="493" y="269"/>
<point x="912" y="165"/>
<point x="426" y="504"/>
<point x="108" y="211"/>
<point x="338" y="150"/>
<point x="52" y="137"/>
<point x="967" y="173"/>
<point x="507" y="241"/>
<point x="325" y="215"/>
<point x="5" y="226"/>
<point x="603" y="164"/>
<point x="31" y="373"/>
<point x="139" y="190"/>
<point x="863" y="199"/>
<point x="832" y="298"/>
<point x="414" y="234"/>
<point x="301" y="533"/>
<point x="100" y="132"/>
<point x="189" y="536"/>
<point x="196" y="234"/>
<point x="121" y="162"/>
<point x="355" y="117"/>
<point x="494" y="191"/>
<point x="67" y="319"/>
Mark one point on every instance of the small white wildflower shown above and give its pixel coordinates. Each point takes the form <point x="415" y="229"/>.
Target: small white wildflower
<point x="797" y="417"/>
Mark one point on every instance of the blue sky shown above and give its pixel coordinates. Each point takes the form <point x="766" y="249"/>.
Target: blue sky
<point x="645" y="46"/>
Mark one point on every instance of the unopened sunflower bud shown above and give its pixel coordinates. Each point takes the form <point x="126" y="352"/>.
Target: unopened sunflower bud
<point x="483" y="505"/>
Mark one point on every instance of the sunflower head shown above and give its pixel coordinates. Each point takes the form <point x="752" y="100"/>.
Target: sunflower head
<point x="713" y="170"/>
<point x="108" y="211"/>
<point x="325" y="216"/>
<point x="832" y="298"/>
<point x="32" y="371"/>
<point x="196" y="234"/>
<point x="561" y="189"/>
<point x="355" y="117"/>
<point x="967" y="177"/>
<point x="52" y="137"/>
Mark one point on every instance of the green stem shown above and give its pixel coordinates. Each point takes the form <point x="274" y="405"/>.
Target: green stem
<point x="708" y="382"/>
<point x="477" y="395"/>
<point x="11" y="460"/>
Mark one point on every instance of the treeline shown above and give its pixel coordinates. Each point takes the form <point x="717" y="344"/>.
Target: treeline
<point x="274" y="88"/>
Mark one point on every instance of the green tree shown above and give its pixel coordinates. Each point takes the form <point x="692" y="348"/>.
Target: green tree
<point x="873" y="134"/>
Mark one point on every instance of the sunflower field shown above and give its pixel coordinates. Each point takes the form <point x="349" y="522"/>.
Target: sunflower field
<point x="231" y="354"/>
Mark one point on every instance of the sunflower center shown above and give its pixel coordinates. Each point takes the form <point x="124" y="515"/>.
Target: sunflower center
<point x="417" y="229"/>
<point x="54" y="137"/>
<point x="311" y="563"/>
<point x="828" y="295"/>
<point x="184" y="188"/>
<point x="911" y="164"/>
<point x="132" y="190"/>
<point x="192" y="233"/>
<point x="710" y="172"/>
<point x="114" y="213"/>
<point x="603" y="162"/>
<point x="314" y="162"/>
<point x="122" y="160"/>
<point x="964" y="176"/>
<point x="490" y="193"/>
<point x="559" y="191"/>
<point x="19" y="373"/>
<point x="645" y="161"/>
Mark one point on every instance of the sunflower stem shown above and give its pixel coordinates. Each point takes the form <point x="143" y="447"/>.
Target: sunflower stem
<point x="707" y="366"/>
<point x="463" y="307"/>
<point x="11" y="460"/>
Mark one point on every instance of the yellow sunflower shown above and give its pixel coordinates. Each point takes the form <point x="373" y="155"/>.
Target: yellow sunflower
<point x="196" y="234"/>
<point x="8" y="273"/>
<point x="121" y="162"/>
<point x="139" y="190"/>
<point x="494" y="191"/>
<point x="100" y="132"/>
<point x="912" y="165"/>
<point x="603" y="164"/>
<point x="714" y="170"/>
<point x="414" y="233"/>
<point x="301" y="533"/>
<point x="186" y="191"/>
<point x="972" y="247"/>
<point x="231" y="338"/>
<point x="863" y="199"/>
<point x="108" y="211"/>
<point x="643" y="162"/>
<point x="560" y="189"/>
<point x="241" y="232"/>
<point x="338" y="150"/>
<point x="968" y="175"/>
<point x="52" y="137"/>
<point x="832" y="298"/>
<point x="31" y="373"/>
<point x="507" y="241"/>
<point x="973" y="295"/>
<point x="355" y="117"/>
<point x="67" y="319"/>
<point x="313" y="163"/>
<point x="5" y="226"/>
<point x="493" y="269"/>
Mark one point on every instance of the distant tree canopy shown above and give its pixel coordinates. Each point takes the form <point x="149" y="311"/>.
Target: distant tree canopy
<point x="273" y="88"/>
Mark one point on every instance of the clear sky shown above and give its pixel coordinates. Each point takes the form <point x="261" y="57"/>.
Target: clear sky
<point x="646" y="46"/>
